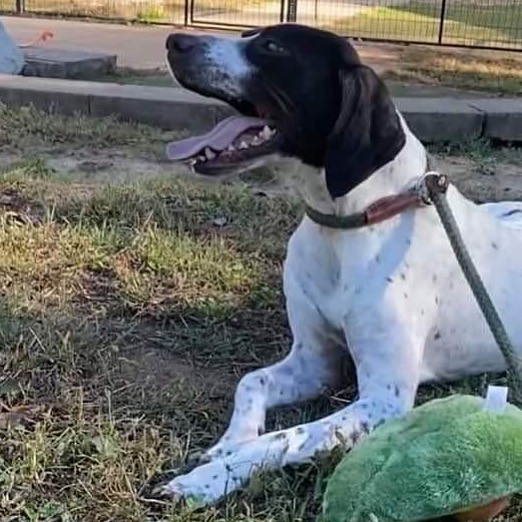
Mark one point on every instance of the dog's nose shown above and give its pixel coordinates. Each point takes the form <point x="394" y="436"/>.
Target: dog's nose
<point x="181" y="43"/>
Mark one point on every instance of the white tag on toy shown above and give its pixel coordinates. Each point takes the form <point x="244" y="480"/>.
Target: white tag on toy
<point x="496" y="399"/>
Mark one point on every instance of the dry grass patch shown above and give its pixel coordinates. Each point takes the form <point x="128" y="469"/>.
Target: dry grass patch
<point x="479" y="71"/>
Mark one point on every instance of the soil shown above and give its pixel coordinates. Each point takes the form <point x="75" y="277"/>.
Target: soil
<point x="482" y="179"/>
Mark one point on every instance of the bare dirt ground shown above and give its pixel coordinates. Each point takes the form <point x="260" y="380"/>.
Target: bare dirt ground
<point x="482" y="174"/>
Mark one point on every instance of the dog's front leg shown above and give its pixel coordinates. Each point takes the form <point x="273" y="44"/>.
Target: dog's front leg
<point x="387" y="380"/>
<point x="210" y="482"/>
<point x="313" y="365"/>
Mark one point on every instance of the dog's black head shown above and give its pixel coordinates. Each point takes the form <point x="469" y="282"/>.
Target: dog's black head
<point x="302" y="92"/>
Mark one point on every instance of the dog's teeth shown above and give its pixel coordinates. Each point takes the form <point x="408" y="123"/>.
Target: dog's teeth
<point x="209" y="154"/>
<point x="265" y="133"/>
<point x="243" y="145"/>
<point x="231" y="147"/>
<point x="256" y="140"/>
<point x="271" y="132"/>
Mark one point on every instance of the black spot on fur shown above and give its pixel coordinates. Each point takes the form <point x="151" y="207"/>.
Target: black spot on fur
<point x="437" y="335"/>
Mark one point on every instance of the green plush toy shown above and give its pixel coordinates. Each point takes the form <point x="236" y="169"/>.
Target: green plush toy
<point x="459" y="456"/>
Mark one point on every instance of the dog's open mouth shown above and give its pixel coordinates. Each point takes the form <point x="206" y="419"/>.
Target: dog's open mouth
<point x="233" y="142"/>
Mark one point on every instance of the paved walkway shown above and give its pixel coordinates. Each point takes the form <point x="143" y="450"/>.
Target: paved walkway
<point x="142" y="47"/>
<point x="139" y="47"/>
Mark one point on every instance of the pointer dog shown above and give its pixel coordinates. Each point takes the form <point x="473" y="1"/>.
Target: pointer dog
<point x="392" y="295"/>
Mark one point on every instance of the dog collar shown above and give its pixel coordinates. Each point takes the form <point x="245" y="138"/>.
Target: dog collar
<point x="378" y="211"/>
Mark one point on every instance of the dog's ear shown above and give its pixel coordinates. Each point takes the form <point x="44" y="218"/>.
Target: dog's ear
<point x="367" y="134"/>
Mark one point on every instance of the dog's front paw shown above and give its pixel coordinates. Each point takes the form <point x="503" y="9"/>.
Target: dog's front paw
<point x="201" y="487"/>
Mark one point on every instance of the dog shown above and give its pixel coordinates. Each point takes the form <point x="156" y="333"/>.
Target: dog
<point x="390" y="295"/>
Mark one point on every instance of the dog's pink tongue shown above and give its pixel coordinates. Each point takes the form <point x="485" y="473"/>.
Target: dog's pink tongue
<point x="218" y="139"/>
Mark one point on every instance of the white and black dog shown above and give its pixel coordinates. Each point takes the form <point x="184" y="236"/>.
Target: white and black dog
<point x="391" y="295"/>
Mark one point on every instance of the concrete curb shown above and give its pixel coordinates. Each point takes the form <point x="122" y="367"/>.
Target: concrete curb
<point x="65" y="64"/>
<point x="431" y="119"/>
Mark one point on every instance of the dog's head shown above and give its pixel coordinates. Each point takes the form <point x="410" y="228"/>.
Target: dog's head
<point x="301" y="92"/>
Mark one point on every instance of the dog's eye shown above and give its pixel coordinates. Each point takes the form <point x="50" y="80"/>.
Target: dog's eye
<point x="273" y="47"/>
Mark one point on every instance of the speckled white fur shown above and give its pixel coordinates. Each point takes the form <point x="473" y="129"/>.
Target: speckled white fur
<point x="393" y="296"/>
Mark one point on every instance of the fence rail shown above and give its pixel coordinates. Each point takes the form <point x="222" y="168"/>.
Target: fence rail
<point x="491" y="24"/>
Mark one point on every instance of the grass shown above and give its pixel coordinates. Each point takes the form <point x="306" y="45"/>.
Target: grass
<point x="129" y="311"/>
<point x="472" y="71"/>
<point x="154" y="77"/>
<point x="469" y="71"/>
<point x="466" y="22"/>
<point x="475" y="71"/>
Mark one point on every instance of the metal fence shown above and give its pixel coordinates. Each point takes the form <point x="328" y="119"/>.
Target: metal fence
<point x="492" y="24"/>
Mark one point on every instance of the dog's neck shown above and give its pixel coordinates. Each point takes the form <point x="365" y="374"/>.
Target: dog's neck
<point x="394" y="177"/>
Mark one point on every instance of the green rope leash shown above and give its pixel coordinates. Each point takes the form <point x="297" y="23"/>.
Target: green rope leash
<point x="437" y="186"/>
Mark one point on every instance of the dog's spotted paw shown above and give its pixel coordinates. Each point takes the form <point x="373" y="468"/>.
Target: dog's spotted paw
<point x="177" y="491"/>
<point x="203" y="486"/>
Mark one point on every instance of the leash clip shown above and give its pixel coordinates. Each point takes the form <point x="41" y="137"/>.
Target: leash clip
<point x="431" y="181"/>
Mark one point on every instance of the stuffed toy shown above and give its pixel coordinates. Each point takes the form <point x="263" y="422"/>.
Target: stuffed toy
<point x="458" y="458"/>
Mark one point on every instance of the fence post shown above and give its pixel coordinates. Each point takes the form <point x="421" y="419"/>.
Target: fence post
<point x="186" y="13"/>
<point x="291" y="12"/>
<point x="441" y="21"/>
<point x="20" y="6"/>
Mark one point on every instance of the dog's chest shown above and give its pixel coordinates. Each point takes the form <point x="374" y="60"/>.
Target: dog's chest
<point x="349" y="271"/>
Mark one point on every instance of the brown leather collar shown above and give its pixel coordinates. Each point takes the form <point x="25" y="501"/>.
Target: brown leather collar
<point x="378" y="211"/>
